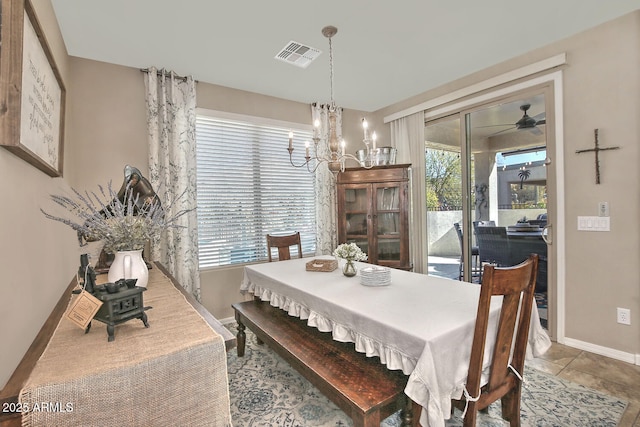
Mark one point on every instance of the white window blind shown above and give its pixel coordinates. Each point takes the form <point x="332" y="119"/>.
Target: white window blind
<point x="247" y="189"/>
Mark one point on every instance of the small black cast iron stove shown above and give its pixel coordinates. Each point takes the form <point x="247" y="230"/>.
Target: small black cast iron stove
<point x="119" y="306"/>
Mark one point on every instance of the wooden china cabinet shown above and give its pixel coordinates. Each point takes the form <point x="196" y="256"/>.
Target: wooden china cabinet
<point x="373" y="212"/>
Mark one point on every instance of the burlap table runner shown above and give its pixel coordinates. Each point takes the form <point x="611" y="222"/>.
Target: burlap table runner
<point x="173" y="373"/>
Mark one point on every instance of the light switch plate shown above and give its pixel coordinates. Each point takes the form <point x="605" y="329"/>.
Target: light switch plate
<point x="594" y="223"/>
<point x="603" y="209"/>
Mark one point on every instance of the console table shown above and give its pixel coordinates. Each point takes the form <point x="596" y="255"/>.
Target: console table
<point x="172" y="373"/>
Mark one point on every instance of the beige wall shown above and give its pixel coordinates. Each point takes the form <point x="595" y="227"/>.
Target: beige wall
<point x="109" y="130"/>
<point x="106" y="129"/>
<point x="600" y="91"/>
<point x="108" y="124"/>
<point x="38" y="257"/>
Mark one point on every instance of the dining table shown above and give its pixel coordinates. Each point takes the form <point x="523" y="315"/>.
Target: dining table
<point x="515" y="233"/>
<point x="420" y="324"/>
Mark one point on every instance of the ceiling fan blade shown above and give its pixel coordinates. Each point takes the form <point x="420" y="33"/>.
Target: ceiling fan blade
<point x="541" y="122"/>
<point x="535" y="131"/>
<point x="490" y="126"/>
<point x="504" y="130"/>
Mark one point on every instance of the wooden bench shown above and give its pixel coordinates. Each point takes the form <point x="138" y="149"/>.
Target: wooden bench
<point x="361" y="386"/>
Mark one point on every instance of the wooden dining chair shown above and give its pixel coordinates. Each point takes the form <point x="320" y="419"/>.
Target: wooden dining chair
<point x="517" y="285"/>
<point x="283" y="243"/>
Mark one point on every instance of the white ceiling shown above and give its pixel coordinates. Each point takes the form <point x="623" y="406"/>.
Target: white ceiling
<point x="384" y="52"/>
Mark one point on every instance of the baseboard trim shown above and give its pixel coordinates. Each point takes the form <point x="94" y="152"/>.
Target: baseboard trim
<point x="603" y="351"/>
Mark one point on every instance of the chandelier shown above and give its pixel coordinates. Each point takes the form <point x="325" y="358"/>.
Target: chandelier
<point x="336" y="156"/>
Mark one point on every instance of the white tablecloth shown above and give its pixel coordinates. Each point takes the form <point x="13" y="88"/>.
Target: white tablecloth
<point x="420" y="324"/>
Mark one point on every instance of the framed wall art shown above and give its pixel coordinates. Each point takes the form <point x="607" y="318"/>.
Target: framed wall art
<point x="32" y="94"/>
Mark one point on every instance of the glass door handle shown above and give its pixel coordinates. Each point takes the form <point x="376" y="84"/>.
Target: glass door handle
<point x="548" y="238"/>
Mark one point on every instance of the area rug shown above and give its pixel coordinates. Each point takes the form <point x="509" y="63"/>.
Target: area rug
<point x="266" y="391"/>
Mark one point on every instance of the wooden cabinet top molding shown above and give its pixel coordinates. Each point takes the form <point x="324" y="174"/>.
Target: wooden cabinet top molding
<point x="374" y="174"/>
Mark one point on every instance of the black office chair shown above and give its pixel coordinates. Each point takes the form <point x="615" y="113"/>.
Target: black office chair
<point x="485" y="223"/>
<point x="476" y="265"/>
<point x="493" y="245"/>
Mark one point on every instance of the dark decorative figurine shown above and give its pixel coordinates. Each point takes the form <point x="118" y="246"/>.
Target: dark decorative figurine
<point x="140" y="191"/>
<point x="143" y="195"/>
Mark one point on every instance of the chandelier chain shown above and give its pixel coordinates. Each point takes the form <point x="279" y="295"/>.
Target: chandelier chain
<point x="333" y="104"/>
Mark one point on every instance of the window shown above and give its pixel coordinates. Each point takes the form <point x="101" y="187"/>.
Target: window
<point x="247" y="188"/>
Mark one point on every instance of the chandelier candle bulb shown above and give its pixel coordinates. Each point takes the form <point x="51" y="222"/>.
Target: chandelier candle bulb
<point x="343" y="144"/>
<point x="374" y="137"/>
<point x="306" y="147"/>
<point x="290" y="140"/>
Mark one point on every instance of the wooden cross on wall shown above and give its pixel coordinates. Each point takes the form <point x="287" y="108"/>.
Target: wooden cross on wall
<point x="597" y="151"/>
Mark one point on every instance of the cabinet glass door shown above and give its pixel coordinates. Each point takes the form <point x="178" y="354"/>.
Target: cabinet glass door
<point x="387" y="222"/>
<point x="356" y="215"/>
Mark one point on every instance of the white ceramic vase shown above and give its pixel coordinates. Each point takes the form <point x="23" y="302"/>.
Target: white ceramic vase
<point x="129" y="265"/>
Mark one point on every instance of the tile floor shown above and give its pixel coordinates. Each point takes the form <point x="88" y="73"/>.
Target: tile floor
<point x="609" y="376"/>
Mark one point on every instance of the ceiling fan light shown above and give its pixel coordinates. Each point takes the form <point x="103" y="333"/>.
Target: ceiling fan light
<point x="526" y="122"/>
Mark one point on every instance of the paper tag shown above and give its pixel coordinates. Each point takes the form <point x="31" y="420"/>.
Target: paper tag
<point x="83" y="309"/>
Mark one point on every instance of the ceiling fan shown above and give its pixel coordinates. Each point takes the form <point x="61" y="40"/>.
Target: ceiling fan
<point x="526" y="122"/>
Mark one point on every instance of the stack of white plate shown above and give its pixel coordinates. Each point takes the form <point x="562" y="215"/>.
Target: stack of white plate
<point x="375" y="275"/>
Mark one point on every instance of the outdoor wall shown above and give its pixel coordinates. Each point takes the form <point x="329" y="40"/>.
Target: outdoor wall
<point x="511" y="176"/>
<point x="443" y="239"/>
<point x="600" y="90"/>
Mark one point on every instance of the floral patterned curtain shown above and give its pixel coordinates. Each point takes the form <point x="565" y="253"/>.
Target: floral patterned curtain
<point x="326" y="212"/>
<point x="171" y="125"/>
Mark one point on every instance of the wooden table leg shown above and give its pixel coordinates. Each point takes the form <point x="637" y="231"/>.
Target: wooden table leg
<point x="257" y="299"/>
<point x="370" y="420"/>
<point x="241" y="337"/>
<point x="410" y="414"/>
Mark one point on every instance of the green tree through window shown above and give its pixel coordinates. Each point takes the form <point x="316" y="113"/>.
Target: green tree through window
<point x="443" y="180"/>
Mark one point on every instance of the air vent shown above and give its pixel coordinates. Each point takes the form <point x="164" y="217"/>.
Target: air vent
<point x="298" y="54"/>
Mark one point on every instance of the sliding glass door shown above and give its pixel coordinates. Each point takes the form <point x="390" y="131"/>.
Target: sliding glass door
<point x="444" y="166"/>
<point x="486" y="167"/>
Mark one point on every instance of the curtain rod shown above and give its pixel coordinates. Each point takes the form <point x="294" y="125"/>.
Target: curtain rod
<point x="166" y="74"/>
